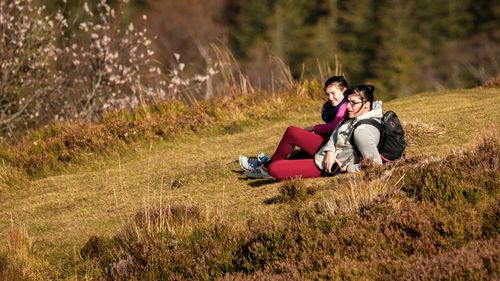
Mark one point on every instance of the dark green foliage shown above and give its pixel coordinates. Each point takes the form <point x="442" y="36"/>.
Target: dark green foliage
<point x="401" y="47"/>
<point x="251" y="23"/>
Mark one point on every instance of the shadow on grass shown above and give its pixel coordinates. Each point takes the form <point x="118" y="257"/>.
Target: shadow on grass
<point x="253" y="182"/>
<point x="278" y="199"/>
<point x="260" y="182"/>
<point x="237" y="172"/>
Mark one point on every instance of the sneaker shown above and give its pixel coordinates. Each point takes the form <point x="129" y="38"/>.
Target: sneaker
<point x="259" y="173"/>
<point x="263" y="158"/>
<point x="248" y="164"/>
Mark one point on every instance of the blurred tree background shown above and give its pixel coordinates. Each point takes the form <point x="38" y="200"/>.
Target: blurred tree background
<point x="402" y="47"/>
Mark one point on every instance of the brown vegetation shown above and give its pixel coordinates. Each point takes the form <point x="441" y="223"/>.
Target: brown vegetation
<point x="18" y="260"/>
<point x="61" y="145"/>
<point x="442" y="224"/>
<point x="420" y="218"/>
<point x="493" y="82"/>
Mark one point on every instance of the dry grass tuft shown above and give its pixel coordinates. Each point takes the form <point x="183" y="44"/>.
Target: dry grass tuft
<point x="18" y="260"/>
<point x="358" y="194"/>
<point x="417" y="129"/>
<point x="295" y="190"/>
<point x="493" y="82"/>
<point x="11" y="178"/>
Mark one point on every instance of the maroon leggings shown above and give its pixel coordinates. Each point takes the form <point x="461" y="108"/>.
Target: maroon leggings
<point x="282" y="168"/>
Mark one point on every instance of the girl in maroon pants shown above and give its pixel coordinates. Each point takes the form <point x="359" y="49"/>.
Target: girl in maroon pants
<point x="309" y="139"/>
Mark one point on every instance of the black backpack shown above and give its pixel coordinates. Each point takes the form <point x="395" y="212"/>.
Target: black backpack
<point x="392" y="143"/>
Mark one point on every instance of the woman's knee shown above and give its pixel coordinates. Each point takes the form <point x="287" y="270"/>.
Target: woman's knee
<point x="274" y="170"/>
<point x="293" y="131"/>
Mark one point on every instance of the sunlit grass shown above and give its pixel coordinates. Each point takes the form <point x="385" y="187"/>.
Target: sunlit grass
<point x="61" y="212"/>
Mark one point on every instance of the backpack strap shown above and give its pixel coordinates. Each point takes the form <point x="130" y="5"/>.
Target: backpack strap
<point x="370" y="121"/>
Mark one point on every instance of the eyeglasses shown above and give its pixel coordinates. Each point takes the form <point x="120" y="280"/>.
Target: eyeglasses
<point x="353" y="103"/>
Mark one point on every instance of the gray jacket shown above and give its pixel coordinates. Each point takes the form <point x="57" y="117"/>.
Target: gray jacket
<point x="366" y="137"/>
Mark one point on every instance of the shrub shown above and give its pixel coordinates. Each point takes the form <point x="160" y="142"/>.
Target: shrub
<point x="476" y="261"/>
<point x="493" y="82"/>
<point x="63" y="144"/>
<point x="382" y="242"/>
<point x="294" y="190"/>
<point x="396" y="235"/>
<point x="79" y="65"/>
<point x="164" y="243"/>
<point x="53" y="72"/>
<point x="463" y="177"/>
<point x="491" y="218"/>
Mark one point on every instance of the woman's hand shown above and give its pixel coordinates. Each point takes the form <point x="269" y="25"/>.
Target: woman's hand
<point x="330" y="159"/>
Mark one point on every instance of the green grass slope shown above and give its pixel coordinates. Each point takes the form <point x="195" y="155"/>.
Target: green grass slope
<point x="61" y="212"/>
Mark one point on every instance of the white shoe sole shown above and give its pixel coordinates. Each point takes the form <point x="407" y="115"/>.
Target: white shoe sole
<point x="241" y="165"/>
<point x="258" y="176"/>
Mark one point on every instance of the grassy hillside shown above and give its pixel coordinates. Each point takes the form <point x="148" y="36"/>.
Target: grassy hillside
<point x="124" y="195"/>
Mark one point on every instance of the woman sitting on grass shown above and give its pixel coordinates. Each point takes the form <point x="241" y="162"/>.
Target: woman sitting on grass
<point x="310" y="139"/>
<point x="337" y="155"/>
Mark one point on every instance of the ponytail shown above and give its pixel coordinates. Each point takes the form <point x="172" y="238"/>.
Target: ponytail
<point x="366" y="93"/>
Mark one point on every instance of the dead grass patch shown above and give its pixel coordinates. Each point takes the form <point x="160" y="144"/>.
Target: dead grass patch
<point x="416" y="130"/>
<point x="18" y="260"/>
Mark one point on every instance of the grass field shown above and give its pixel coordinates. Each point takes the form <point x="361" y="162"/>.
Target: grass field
<point x="61" y="212"/>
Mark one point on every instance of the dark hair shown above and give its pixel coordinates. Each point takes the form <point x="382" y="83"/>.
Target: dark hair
<point x="366" y="93"/>
<point x="336" y="79"/>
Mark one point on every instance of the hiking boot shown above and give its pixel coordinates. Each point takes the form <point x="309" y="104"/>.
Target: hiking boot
<point x="263" y="158"/>
<point x="248" y="164"/>
<point x="259" y="173"/>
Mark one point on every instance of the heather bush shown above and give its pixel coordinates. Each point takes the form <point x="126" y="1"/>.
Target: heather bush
<point x="491" y="218"/>
<point x="398" y="234"/>
<point x="476" y="261"/>
<point x="381" y="243"/>
<point x="169" y="242"/>
<point x="465" y="178"/>
<point x="294" y="190"/>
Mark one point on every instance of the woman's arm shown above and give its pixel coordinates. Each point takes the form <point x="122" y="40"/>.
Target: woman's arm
<point x="328" y="128"/>
<point x="366" y="138"/>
